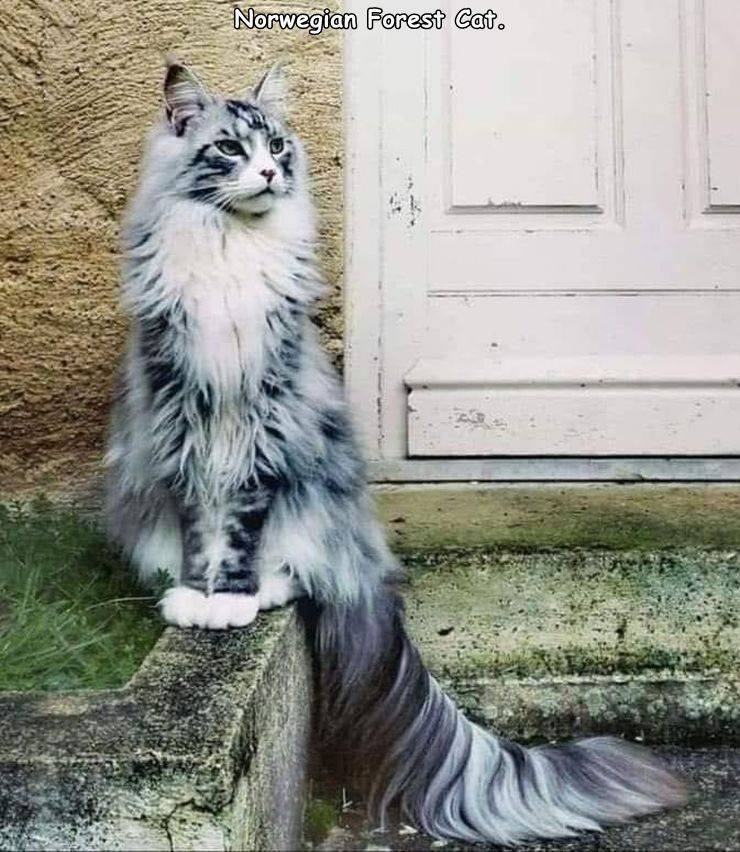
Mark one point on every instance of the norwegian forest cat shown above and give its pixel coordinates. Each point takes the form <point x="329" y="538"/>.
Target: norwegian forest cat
<point x="232" y="466"/>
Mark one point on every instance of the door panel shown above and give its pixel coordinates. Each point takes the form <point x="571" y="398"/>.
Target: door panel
<point x="574" y="406"/>
<point x="721" y="26"/>
<point x="558" y="198"/>
<point x="672" y="327"/>
<point x="498" y="158"/>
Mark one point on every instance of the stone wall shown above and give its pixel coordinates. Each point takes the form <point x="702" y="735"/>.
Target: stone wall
<point x="205" y="748"/>
<point x="82" y="82"/>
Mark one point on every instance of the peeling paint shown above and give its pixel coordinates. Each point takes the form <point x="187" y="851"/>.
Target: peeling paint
<point x="405" y="202"/>
<point x="478" y="420"/>
<point x="414" y="205"/>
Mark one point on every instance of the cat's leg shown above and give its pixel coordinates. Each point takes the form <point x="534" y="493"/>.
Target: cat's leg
<point x="219" y="581"/>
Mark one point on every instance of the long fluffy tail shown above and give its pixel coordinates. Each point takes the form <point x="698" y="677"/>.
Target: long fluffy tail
<point x="386" y="716"/>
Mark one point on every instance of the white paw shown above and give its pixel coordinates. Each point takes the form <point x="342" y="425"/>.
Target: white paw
<point x="230" y="610"/>
<point x="187" y="607"/>
<point x="277" y="590"/>
<point x="183" y="606"/>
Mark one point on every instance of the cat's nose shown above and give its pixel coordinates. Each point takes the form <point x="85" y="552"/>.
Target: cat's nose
<point x="268" y="174"/>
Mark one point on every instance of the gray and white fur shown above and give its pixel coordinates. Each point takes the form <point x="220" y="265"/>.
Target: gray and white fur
<point x="233" y="467"/>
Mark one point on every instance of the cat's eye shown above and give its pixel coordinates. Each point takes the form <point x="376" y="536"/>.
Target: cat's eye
<point x="276" y="145"/>
<point x="229" y="148"/>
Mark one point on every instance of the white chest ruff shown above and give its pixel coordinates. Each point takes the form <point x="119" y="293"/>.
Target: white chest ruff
<point x="227" y="281"/>
<point x="226" y="327"/>
<point x="223" y="279"/>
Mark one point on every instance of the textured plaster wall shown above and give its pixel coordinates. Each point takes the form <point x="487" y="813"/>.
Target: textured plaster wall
<point x="81" y="83"/>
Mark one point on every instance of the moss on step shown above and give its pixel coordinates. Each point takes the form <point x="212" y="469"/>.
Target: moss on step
<point x="321" y="816"/>
<point x="529" y="518"/>
<point x="555" y="643"/>
<point x="576" y="613"/>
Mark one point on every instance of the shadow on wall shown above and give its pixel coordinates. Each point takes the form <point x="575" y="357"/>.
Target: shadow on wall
<point x="83" y="85"/>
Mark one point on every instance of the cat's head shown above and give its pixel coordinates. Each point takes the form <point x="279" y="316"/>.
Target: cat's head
<point x="236" y="154"/>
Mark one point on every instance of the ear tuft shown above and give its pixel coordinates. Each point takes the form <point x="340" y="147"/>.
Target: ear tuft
<point x="184" y="96"/>
<point x="271" y="91"/>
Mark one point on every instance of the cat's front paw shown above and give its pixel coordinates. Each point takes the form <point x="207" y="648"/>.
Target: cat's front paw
<point x="278" y="589"/>
<point x="186" y="607"/>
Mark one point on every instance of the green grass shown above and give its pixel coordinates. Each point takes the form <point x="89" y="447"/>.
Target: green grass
<point x="71" y="615"/>
<point x="321" y="816"/>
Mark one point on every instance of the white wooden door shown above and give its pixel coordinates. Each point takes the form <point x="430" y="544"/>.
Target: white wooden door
<point x="544" y="232"/>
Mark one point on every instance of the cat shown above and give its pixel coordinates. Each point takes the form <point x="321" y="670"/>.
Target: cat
<point x="233" y="467"/>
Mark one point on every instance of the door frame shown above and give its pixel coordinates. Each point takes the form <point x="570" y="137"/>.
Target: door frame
<point x="363" y="304"/>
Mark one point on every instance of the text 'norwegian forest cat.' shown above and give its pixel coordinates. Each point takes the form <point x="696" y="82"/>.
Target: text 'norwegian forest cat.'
<point x="232" y="466"/>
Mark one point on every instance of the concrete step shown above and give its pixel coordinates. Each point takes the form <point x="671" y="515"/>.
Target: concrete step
<point x="544" y="645"/>
<point x="551" y="612"/>
<point x="205" y="748"/>
<point x="620" y="517"/>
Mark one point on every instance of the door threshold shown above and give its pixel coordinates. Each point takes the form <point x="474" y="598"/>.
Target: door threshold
<point x="544" y="469"/>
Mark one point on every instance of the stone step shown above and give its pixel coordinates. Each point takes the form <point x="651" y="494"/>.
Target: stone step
<point x="619" y="517"/>
<point x="552" y="612"/>
<point x="205" y="748"/>
<point x="645" y="644"/>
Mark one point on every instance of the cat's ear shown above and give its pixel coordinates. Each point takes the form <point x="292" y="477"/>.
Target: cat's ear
<point x="271" y="92"/>
<point x="185" y="97"/>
